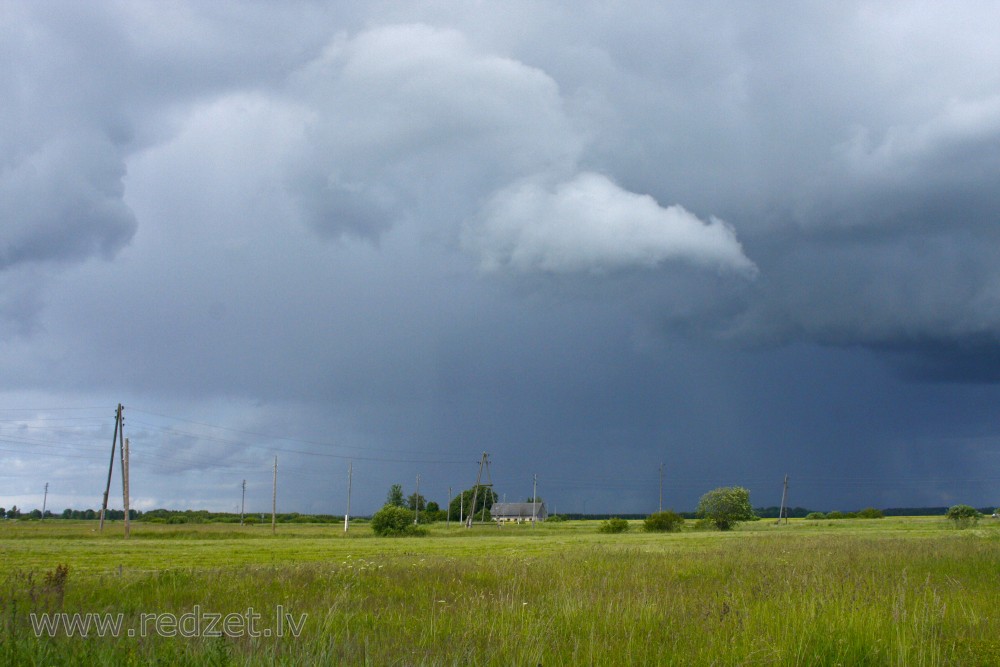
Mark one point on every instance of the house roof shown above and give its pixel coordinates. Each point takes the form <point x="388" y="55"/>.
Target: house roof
<point x="520" y="510"/>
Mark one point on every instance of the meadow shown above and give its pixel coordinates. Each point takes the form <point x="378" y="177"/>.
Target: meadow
<point x="900" y="591"/>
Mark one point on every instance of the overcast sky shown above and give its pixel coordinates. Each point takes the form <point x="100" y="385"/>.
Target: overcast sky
<point x="742" y="240"/>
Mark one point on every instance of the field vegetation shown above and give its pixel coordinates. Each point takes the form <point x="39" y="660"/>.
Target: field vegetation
<point x="907" y="591"/>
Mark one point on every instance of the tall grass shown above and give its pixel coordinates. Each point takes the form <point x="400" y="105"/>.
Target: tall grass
<point x="567" y="596"/>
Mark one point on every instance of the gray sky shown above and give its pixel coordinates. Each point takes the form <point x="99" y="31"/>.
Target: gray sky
<point x="741" y="240"/>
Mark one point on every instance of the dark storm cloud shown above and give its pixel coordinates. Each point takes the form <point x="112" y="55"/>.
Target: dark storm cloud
<point x="581" y="236"/>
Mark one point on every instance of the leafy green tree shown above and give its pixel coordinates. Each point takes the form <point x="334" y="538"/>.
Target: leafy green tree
<point x="415" y="502"/>
<point x="613" y="525"/>
<point x="963" y="515"/>
<point x="395" y="496"/>
<point x="663" y="522"/>
<point x="726" y="506"/>
<point x="13" y="512"/>
<point x="463" y="502"/>
<point x="433" y="507"/>
<point x="394" y="521"/>
<point x="871" y="513"/>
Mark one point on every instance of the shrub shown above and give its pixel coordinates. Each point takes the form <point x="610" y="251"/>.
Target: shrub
<point x="835" y="515"/>
<point x="613" y="525"/>
<point x="726" y="506"/>
<point x="704" y="523"/>
<point x="663" y="522"/>
<point x="815" y="516"/>
<point x="963" y="515"/>
<point x="871" y="513"/>
<point x="393" y="521"/>
<point x="555" y="517"/>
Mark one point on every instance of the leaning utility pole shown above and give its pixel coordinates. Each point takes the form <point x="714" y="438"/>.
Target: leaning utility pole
<point x="243" y="501"/>
<point x="783" y="511"/>
<point x="111" y="465"/>
<point x="484" y="462"/>
<point x="350" y="478"/>
<point x="125" y="487"/>
<point x="45" y="500"/>
<point x="274" y="495"/>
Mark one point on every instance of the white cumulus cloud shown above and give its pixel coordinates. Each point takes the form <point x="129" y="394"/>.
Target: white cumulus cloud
<point x="590" y="224"/>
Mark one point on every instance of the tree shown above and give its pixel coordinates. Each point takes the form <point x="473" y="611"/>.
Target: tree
<point x="395" y="496"/>
<point x="963" y="515"/>
<point x="415" y="502"/>
<point x="726" y="506"/>
<point x="433" y="507"/>
<point x="663" y="522"/>
<point x="463" y="502"/>
<point x="394" y="521"/>
<point x="13" y="512"/>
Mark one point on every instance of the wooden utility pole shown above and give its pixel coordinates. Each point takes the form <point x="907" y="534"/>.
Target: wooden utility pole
<point x="111" y="465"/>
<point x="416" y="503"/>
<point x="484" y="462"/>
<point x="350" y="477"/>
<point x="243" y="501"/>
<point x="534" y="499"/>
<point x="783" y="511"/>
<point x="661" y="487"/>
<point x="274" y="497"/>
<point x="45" y="500"/>
<point x="125" y="487"/>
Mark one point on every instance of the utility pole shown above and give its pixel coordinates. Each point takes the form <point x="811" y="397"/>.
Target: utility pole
<point x="783" y="511"/>
<point x="274" y="496"/>
<point x="416" y="503"/>
<point x="534" y="499"/>
<point x="45" y="500"/>
<point x="125" y="488"/>
<point x="243" y="501"/>
<point x="447" y="520"/>
<point x="461" y="508"/>
<point x="661" y="487"/>
<point x="484" y="462"/>
<point x="111" y="465"/>
<point x="350" y="479"/>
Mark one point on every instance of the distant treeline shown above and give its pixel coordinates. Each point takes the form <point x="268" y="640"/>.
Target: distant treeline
<point x="204" y="516"/>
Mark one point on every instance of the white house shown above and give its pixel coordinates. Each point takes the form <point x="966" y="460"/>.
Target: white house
<point x="519" y="512"/>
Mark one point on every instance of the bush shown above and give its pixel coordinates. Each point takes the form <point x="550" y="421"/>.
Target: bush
<point x="963" y="515"/>
<point x="835" y="515"/>
<point x="726" y="506"/>
<point x="704" y="523"/>
<point x="871" y="513"/>
<point x="663" y="522"/>
<point x="555" y="517"/>
<point x="815" y="516"/>
<point x="613" y="525"/>
<point x="393" y="521"/>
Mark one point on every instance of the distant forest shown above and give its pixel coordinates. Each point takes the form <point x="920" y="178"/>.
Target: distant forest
<point x="204" y="516"/>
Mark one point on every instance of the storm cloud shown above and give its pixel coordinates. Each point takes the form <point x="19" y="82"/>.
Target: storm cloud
<point x="744" y="240"/>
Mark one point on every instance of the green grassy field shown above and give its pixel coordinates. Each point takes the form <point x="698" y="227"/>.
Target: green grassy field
<point x="911" y="591"/>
